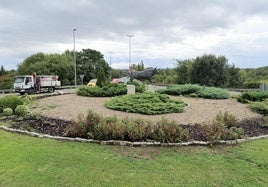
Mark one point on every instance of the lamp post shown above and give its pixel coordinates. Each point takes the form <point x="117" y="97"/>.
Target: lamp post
<point x="75" y="83"/>
<point x="129" y="56"/>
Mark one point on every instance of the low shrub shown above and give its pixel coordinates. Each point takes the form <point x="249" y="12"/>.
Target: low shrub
<point x="247" y="97"/>
<point x="227" y="119"/>
<point x="260" y="107"/>
<point x="110" y="128"/>
<point x="113" y="128"/>
<point x="138" y="129"/>
<point x="194" y="90"/>
<point x="84" y="126"/>
<point x="169" y="132"/>
<point x="7" y="112"/>
<point x="223" y="128"/>
<point x="105" y="91"/>
<point x="213" y="93"/>
<point x="10" y="101"/>
<point x="21" y="110"/>
<point x="185" y="89"/>
<point x="145" y="103"/>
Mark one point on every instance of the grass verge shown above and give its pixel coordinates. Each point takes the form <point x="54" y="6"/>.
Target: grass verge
<point x="28" y="161"/>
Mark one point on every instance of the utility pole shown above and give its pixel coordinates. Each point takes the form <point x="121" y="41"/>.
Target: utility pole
<point x="129" y="42"/>
<point x="75" y="82"/>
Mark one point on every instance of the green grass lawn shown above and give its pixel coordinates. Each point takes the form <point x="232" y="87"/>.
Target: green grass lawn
<point x="28" y="161"/>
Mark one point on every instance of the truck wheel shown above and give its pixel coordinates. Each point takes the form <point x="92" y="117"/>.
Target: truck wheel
<point x="50" y="89"/>
<point x="31" y="91"/>
<point x="22" y="93"/>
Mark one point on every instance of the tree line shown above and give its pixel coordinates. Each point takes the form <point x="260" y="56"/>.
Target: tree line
<point x="212" y="70"/>
<point x="208" y="70"/>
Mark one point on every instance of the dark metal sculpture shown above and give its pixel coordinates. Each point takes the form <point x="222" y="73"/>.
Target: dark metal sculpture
<point x="143" y="75"/>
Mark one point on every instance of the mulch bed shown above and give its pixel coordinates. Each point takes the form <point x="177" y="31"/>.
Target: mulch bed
<point x="56" y="127"/>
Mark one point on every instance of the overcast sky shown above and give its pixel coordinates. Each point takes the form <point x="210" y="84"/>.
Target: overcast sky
<point x="164" y="30"/>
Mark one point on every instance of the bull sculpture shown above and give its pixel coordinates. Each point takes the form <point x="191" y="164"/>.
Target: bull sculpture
<point x="143" y="75"/>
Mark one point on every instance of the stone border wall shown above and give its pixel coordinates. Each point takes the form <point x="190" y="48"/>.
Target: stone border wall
<point x="130" y="144"/>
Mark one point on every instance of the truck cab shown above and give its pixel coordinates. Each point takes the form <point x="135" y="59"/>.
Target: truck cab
<point x="24" y="84"/>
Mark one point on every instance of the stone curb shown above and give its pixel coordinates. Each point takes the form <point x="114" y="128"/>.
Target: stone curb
<point x="130" y="144"/>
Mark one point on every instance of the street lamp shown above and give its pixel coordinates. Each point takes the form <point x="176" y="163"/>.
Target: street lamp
<point x="75" y="83"/>
<point x="129" y="57"/>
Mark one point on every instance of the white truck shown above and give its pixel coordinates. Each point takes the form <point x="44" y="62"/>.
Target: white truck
<point x="35" y="84"/>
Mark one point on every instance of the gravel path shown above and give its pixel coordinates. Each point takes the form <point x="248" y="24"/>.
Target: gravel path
<point x="68" y="107"/>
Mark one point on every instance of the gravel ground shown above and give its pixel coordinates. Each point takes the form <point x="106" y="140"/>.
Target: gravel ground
<point x="68" y="107"/>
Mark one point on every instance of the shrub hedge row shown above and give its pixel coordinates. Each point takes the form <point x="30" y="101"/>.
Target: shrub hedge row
<point x="112" y="128"/>
<point x="94" y="126"/>
<point x="195" y="90"/>
<point x="247" y="97"/>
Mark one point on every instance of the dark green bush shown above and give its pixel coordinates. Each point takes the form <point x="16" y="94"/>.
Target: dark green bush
<point x="252" y="96"/>
<point x="194" y="90"/>
<point x="146" y="103"/>
<point x="213" y="93"/>
<point x="105" y="91"/>
<point x="185" y="89"/>
<point x="10" y="101"/>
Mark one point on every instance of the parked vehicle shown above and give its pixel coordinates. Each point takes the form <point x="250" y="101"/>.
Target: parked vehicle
<point x="92" y="82"/>
<point x="35" y="84"/>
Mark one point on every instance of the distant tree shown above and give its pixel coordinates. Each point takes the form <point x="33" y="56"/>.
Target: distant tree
<point x="138" y="67"/>
<point x="2" y="70"/>
<point x="183" y="71"/>
<point x="233" y="77"/>
<point x="209" y="70"/>
<point x="102" y="79"/>
<point x="87" y="62"/>
<point x="165" y="76"/>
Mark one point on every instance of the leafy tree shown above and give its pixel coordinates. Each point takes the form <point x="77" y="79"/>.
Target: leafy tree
<point x="88" y="63"/>
<point x="183" y="71"/>
<point x="209" y="70"/>
<point x="101" y="78"/>
<point x="234" y="80"/>
<point x="49" y="64"/>
<point x="165" y="76"/>
<point x="117" y="73"/>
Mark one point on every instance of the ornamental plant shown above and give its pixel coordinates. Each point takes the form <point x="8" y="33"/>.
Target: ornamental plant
<point x="146" y="103"/>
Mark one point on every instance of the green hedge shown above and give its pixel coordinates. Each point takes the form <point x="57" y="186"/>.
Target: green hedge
<point x="260" y="107"/>
<point x="195" y="90"/>
<point x="146" y="103"/>
<point x="105" y="91"/>
<point x="252" y="96"/>
<point x="112" y="128"/>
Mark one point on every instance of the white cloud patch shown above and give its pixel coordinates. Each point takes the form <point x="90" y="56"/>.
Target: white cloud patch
<point x="164" y="30"/>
